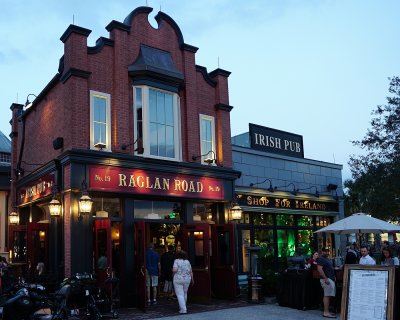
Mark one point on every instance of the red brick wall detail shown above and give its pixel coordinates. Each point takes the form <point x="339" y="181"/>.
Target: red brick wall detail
<point x="64" y="111"/>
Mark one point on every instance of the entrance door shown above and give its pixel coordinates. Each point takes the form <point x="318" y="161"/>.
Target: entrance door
<point x="196" y="242"/>
<point x="140" y="263"/>
<point x="37" y="245"/>
<point x="17" y="244"/>
<point x="102" y="251"/>
<point x="223" y="261"/>
<point x="102" y="244"/>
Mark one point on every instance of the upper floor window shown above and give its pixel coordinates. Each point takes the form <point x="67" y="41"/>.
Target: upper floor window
<point x="207" y="137"/>
<point x="5" y="158"/>
<point x="100" y="121"/>
<point x="157" y="126"/>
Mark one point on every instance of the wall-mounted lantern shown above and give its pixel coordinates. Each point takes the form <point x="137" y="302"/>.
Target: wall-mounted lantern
<point x="13" y="218"/>
<point x="236" y="211"/>
<point x="85" y="202"/>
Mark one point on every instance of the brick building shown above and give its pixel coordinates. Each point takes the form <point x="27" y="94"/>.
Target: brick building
<point x="142" y="130"/>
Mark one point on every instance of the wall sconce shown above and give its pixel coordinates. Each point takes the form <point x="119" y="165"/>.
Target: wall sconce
<point x="236" y="211"/>
<point x="85" y="202"/>
<point x="19" y="171"/>
<point x="270" y="189"/>
<point x="28" y="104"/>
<point x="293" y="192"/>
<point x="208" y="160"/>
<point x="100" y="145"/>
<point x="54" y="205"/>
<point x="13" y="217"/>
<point x="139" y="147"/>
<point x="331" y="187"/>
<point x="316" y="190"/>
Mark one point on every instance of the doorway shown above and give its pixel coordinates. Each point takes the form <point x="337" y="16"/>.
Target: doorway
<point x="160" y="235"/>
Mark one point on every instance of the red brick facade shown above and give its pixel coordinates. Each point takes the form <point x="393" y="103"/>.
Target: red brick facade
<point x="62" y="110"/>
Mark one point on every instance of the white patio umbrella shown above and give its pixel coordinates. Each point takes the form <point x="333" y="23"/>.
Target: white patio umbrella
<point x="360" y="223"/>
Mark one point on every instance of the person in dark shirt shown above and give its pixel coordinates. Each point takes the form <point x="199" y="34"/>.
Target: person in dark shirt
<point x="167" y="262"/>
<point x="327" y="274"/>
<point x="351" y="256"/>
<point x="152" y="272"/>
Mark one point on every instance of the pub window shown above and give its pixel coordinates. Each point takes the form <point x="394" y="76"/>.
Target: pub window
<point x="157" y="210"/>
<point x="322" y="221"/>
<point x="106" y="207"/>
<point x="244" y="240"/>
<point x="203" y="212"/>
<point x="207" y="137"/>
<point x="157" y="123"/>
<point x="304" y="221"/>
<point x="285" y="220"/>
<point x="100" y="121"/>
<point x="5" y="158"/>
<point x="196" y="243"/>
<point x="265" y="240"/>
<point x="263" y="219"/>
<point x="305" y="241"/>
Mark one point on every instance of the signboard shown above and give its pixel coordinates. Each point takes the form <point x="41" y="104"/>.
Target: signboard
<point x="286" y="203"/>
<point x="138" y="181"/>
<point x="276" y="141"/>
<point x="37" y="189"/>
<point x="368" y="293"/>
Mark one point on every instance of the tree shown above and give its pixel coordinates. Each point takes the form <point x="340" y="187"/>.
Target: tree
<point x="375" y="187"/>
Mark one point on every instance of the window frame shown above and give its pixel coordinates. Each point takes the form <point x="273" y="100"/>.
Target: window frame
<point x="146" y="123"/>
<point x="203" y="152"/>
<point x="107" y="97"/>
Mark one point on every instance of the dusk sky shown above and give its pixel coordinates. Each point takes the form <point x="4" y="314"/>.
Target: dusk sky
<point x="316" y="68"/>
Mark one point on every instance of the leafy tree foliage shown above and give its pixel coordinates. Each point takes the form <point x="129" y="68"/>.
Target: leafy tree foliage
<point x="375" y="187"/>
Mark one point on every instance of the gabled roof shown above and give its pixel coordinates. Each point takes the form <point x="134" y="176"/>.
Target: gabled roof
<point x="5" y="143"/>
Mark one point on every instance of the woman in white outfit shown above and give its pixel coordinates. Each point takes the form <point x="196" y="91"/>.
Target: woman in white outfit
<point x="183" y="277"/>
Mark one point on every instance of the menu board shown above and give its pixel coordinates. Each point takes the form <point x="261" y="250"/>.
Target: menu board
<point x="367" y="293"/>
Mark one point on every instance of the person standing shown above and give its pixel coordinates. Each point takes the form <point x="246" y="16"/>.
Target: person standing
<point x="327" y="274"/>
<point x="167" y="262"/>
<point x="351" y="256"/>
<point x="366" y="259"/>
<point x="183" y="277"/>
<point x="152" y="272"/>
<point x="387" y="258"/>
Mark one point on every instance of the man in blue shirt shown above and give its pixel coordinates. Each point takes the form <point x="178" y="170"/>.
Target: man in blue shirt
<point x="327" y="274"/>
<point x="152" y="271"/>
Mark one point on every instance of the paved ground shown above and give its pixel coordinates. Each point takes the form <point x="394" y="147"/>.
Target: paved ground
<point x="254" y="312"/>
<point x="231" y="310"/>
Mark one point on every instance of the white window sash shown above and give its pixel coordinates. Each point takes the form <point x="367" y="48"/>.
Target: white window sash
<point x="202" y="134"/>
<point x="146" y="124"/>
<point x="107" y="97"/>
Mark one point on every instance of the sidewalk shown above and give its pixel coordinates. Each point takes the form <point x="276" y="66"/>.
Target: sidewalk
<point x="233" y="310"/>
<point x="254" y="312"/>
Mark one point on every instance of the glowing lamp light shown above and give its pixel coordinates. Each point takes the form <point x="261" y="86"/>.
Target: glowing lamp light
<point x="54" y="208"/>
<point x="14" y="218"/>
<point x="85" y="204"/>
<point x="236" y="212"/>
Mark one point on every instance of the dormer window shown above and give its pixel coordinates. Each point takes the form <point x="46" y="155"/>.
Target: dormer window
<point x="156" y="82"/>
